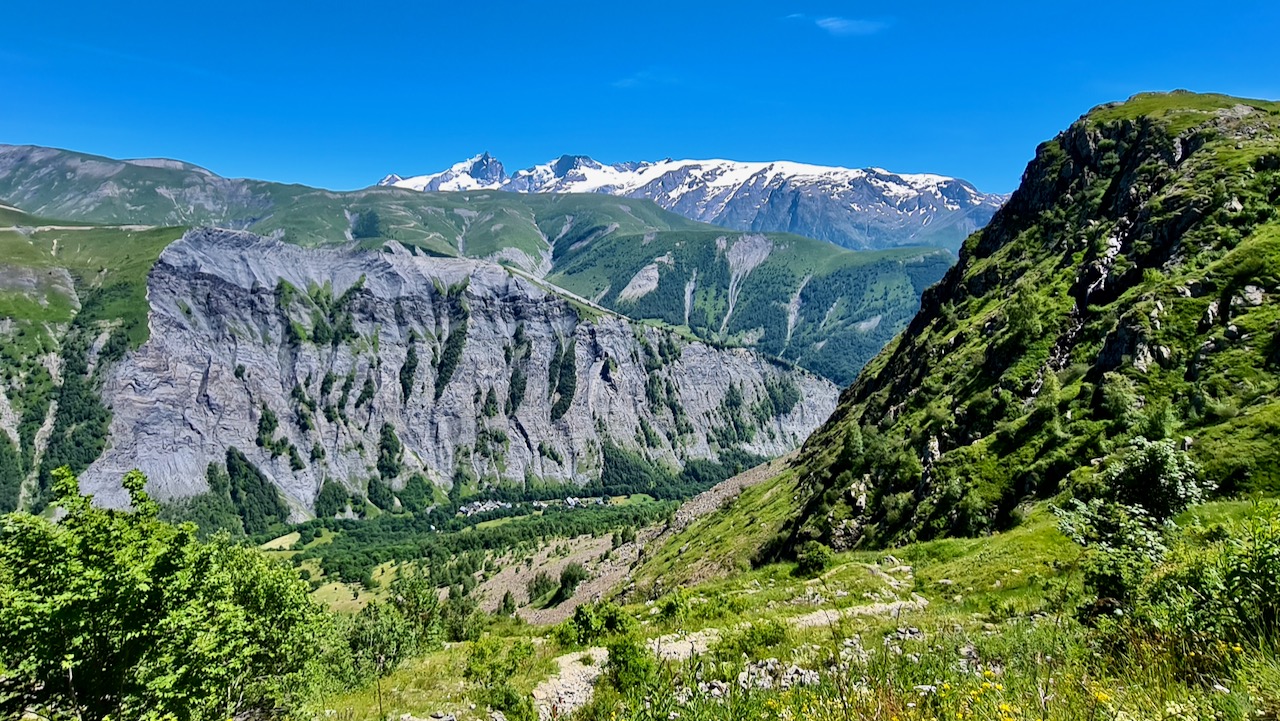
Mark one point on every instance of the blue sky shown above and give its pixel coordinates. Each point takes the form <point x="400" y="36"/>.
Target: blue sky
<point x="338" y="94"/>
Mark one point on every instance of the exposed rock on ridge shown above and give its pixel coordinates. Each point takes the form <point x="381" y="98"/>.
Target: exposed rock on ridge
<point x="229" y="340"/>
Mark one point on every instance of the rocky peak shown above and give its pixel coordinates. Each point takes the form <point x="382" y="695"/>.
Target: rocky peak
<point x="566" y="164"/>
<point x="487" y="169"/>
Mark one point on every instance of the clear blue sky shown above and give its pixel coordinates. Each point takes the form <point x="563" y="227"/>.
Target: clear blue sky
<point x="338" y="94"/>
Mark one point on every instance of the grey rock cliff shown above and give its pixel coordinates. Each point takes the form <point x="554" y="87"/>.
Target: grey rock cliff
<point x="226" y="344"/>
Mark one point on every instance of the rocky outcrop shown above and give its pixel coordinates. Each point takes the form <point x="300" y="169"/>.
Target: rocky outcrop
<point x="301" y="358"/>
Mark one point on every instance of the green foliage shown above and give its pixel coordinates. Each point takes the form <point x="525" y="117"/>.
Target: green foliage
<point x="451" y="352"/>
<point x="783" y="395"/>
<point x="331" y="500"/>
<point x="515" y="394"/>
<point x="812" y="559"/>
<point x="1157" y="476"/>
<point x="826" y="309"/>
<point x="570" y="576"/>
<point x="268" y="424"/>
<point x="407" y="371"/>
<point x="212" y="511"/>
<point x="630" y="665"/>
<point x="380" y="639"/>
<point x="1025" y="315"/>
<point x="390" y="452"/>
<point x="256" y="499"/>
<point x="10" y="474"/>
<point x="386" y="633"/>
<point x="151" y="622"/>
<point x="462" y="620"/>
<point x="417" y="493"/>
<point x="507" y="607"/>
<point x="624" y="536"/>
<point x="1125" y="527"/>
<point x="1227" y="591"/>
<point x="564" y="377"/>
<point x="367" y="225"/>
<point x="592" y="623"/>
<point x="548" y="451"/>
<point x="80" y="428"/>
<point x="626" y="472"/>
<point x="380" y="494"/>
<point x="754" y="641"/>
<point x="366" y="391"/>
<point x="453" y="547"/>
<point x="540" y="585"/>
<point x="491" y="665"/>
<point x="1105" y="303"/>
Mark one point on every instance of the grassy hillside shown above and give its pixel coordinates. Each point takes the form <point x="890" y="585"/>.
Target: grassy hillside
<point x="1128" y="290"/>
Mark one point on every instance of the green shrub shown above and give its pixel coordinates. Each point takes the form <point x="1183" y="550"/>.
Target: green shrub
<point x="491" y="664"/>
<point x="1227" y="591"/>
<point x="166" y="626"/>
<point x="753" y="641"/>
<point x="1157" y="476"/>
<point x="630" y="665"/>
<point x="540" y="585"/>
<point x="592" y="622"/>
<point x="812" y="559"/>
<point x="570" y="576"/>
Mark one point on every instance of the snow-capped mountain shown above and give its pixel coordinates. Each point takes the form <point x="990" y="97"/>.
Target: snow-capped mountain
<point x="855" y="208"/>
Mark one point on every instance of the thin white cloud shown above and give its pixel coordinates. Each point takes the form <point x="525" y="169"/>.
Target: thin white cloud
<point x="646" y="78"/>
<point x="843" y="27"/>
<point x="847" y="26"/>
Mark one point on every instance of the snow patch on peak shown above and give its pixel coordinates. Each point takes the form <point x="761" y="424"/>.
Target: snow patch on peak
<point x="856" y="208"/>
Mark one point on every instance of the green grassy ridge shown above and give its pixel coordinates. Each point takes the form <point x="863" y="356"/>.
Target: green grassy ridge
<point x="111" y="259"/>
<point x="57" y="183"/>
<point x="1181" y="109"/>
<point x="1023" y="367"/>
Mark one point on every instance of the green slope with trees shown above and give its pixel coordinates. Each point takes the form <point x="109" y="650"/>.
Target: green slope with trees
<point x="1117" y="322"/>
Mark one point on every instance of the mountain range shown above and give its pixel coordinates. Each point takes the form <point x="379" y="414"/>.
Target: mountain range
<point x="822" y="307"/>
<point x="853" y="208"/>
<point x="157" y="315"/>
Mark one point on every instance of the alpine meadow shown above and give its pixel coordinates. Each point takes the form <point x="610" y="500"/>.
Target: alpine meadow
<point x="821" y="433"/>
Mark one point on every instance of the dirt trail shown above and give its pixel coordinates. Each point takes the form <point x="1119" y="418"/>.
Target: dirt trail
<point x="683" y="646"/>
<point x="571" y="688"/>
<point x="829" y="616"/>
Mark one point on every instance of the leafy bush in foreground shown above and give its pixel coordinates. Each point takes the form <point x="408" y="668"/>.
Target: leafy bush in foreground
<point x="116" y="614"/>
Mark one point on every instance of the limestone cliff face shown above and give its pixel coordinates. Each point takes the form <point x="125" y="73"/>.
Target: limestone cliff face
<point x="301" y="358"/>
